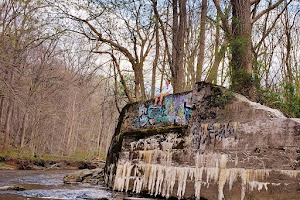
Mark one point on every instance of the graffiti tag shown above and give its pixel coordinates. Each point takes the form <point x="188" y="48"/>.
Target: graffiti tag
<point x="206" y="134"/>
<point x="174" y="109"/>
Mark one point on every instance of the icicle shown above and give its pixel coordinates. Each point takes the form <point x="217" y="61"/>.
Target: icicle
<point x="198" y="172"/>
<point x="291" y="173"/>
<point x="244" y="177"/>
<point x="128" y="168"/>
<point x="182" y="174"/>
<point x="169" y="182"/>
<point x="222" y="180"/>
<point x="152" y="178"/>
<point x="138" y="182"/>
<point x="119" y="181"/>
<point x="232" y="177"/>
<point x="212" y="173"/>
<point x="160" y="179"/>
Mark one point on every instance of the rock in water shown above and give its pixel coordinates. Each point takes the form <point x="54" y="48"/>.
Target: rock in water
<point x="86" y="175"/>
<point x="17" y="188"/>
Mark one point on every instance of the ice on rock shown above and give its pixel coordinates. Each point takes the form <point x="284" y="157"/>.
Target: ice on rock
<point x="291" y="173"/>
<point x="160" y="179"/>
<point x="197" y="174"/>
<point x="182" y="174"/>
<point x="258" y="185"/>
<point x="123" y="176"/>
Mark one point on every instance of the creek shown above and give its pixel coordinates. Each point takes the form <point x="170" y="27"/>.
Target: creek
<point x="48" y="184"/>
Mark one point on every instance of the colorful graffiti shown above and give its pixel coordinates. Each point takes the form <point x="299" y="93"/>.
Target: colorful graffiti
<point x="174" y="109"/>
<point x="206" y="134"/>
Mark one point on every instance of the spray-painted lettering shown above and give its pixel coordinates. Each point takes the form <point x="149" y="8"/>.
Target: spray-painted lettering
<point x="211" y="133"/>
<point x="174" y="109"/>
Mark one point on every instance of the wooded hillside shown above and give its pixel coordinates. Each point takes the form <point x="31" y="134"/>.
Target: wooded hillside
<point x="67" y="67"/>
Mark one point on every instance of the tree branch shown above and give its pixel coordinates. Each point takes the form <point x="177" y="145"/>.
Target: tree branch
<point x="127" y="92"/>
<point x="266" y="10"/>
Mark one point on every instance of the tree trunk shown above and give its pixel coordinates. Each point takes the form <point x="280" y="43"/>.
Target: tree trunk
<point x="7" y="126"/>
<point x="127" y="92"/>
<point x="155" y="59"/>
<point x="101" y="126"/>
<point x="137" y="85"/>
<point x="240" y="42"/>
<point x="178" y="44"/>
<point x="1" y="111"/>
<point x="289" y="78"/>
<point x="141" y="80"/>
<point x="202" y="41"/>
<point x="72" y="123"/>
<point x="181" y="37"/>
<point x="219" y="55"/>
<point x="175" y="43"/>
<point x="163" y="71"/>
<point x="213" y="74"/>
<point x="23" y="129"/>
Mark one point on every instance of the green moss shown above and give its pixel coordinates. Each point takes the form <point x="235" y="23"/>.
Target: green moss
<point x="5" y="166"/>
<point x="153" y="131"/>
<point x="223" y="97"/>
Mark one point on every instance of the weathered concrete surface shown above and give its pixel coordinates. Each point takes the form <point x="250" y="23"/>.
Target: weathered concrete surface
<point x="206" y="143"/>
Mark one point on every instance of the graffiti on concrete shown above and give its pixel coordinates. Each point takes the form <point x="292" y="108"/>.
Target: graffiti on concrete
<point x="211" y="133"/>
<point x="174" y="109"/>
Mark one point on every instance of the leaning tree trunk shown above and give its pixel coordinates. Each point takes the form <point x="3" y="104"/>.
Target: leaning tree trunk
<point x="240" y="43"/>
<point x="219" y="55"/>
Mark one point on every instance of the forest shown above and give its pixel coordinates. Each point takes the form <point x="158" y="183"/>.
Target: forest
<point x="67" y="67"/>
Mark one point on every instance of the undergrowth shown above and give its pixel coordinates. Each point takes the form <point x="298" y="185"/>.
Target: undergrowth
<point x="286" y="100"/>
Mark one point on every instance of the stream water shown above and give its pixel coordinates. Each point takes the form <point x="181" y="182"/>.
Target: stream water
<point x="49" y="184"/>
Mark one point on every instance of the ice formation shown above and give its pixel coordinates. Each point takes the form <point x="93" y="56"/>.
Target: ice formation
<point x="290" y="173"/>
<point x="209" y="169"/>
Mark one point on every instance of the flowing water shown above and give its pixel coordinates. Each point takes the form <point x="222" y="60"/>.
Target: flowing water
<point x="48" y="184"/>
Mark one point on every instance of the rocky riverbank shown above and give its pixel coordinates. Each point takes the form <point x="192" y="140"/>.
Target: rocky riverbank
<point x="24" y="164"/>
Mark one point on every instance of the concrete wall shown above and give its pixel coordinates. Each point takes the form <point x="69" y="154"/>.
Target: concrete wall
<point x="206" y="143"/>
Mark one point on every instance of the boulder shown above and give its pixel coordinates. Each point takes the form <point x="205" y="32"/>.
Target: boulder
<point x="86" y="176"/>
<point x="17" y="188"/>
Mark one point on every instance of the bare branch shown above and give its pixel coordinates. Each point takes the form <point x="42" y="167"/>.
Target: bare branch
<point x="266" y="10"/>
